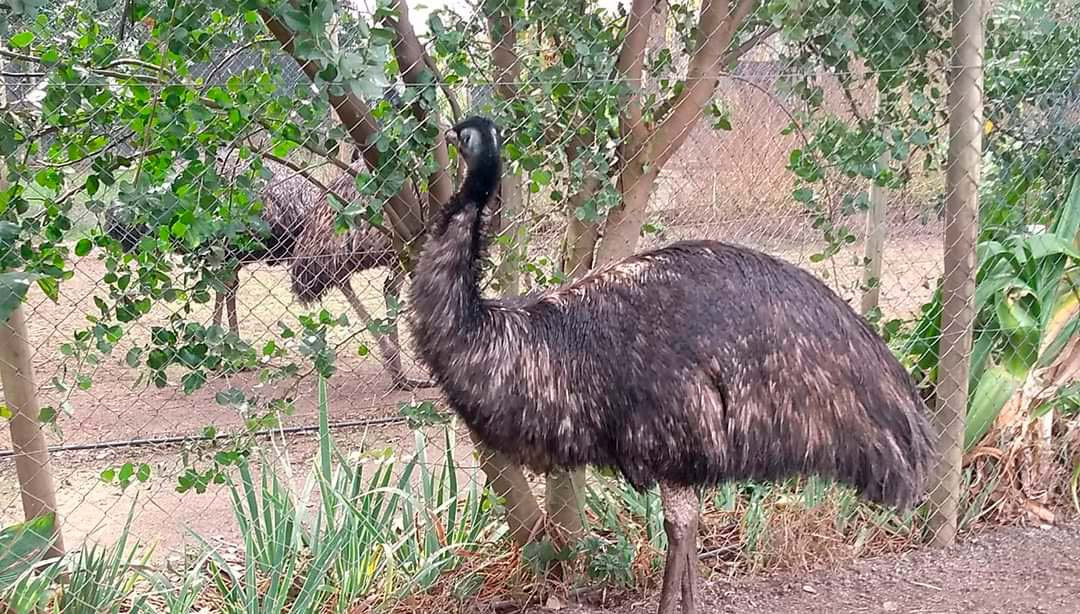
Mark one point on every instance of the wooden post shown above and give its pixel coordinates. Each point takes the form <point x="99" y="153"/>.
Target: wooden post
<point x="20" y="394"/>
<point x="874" y="246"/>
<point x="27" y="439"/>
<point x="958" y="287"/>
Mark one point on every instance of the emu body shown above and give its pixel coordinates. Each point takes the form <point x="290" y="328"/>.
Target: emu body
<point x="690" y="365"/>
<point x="273" y="236"/>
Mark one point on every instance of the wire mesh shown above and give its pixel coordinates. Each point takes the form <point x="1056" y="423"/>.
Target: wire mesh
<point x="211" y="214"/>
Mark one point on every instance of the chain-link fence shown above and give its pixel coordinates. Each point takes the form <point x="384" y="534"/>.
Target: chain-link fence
<point x="214" y="216"/>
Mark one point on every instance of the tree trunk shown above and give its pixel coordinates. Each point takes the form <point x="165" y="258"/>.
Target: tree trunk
<point x="507" y="481"/>
<point x="523" y="512"/>
<point x="511" y="208"/>
<point x="644" y="150"/>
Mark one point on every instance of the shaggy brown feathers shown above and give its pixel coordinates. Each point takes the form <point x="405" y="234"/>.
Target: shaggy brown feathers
<point x="324" y="258"/>
<point x="697" y="363"/>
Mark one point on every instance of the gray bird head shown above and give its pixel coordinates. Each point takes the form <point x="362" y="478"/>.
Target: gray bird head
<point x="477" y="138"/>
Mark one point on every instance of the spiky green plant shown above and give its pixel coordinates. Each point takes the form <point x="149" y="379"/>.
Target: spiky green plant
<point x="102" y="579"/>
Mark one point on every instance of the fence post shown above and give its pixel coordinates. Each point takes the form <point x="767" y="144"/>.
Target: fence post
<point x="874" y="247"/>
<point x="27" y="439"/>
<point x="958" y="286"/>
<point x="17" y="377"/>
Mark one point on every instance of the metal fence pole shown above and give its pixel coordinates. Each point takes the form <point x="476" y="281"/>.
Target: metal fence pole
<point x="27" y="440"/>
<point x="961" y="229"/>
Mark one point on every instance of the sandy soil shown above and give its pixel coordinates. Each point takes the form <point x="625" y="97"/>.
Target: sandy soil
<point x="1008" y="571"/>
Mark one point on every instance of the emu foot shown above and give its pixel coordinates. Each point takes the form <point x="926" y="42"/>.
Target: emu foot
<point x="407" y="384"/>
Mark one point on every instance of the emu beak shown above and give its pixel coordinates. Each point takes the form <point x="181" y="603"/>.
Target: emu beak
<point x="451" y="137"/>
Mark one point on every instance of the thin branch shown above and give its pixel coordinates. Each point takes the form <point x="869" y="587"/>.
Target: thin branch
<point x="411" y="60"/>
<point x="451" y="99"/>
<point x="313" y="148"/>
<point x="717" y="25"/>
<point x="11" y="55"/>
<point x="731" y="56"/>
<point x="747" y="45"/>
<point x="228" y="58"/>
<point x="140" y="64"/>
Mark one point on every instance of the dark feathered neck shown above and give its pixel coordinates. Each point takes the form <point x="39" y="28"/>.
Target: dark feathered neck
<point x="482" y="179"/>
<point x="445" y="293"/>
<point x="481" y="182"/>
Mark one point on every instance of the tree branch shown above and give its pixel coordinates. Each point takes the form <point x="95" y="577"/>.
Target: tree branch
<point x="357" y="120"/>
<point x="228" y="58"/>
<point x="451" y="99"/>
<point x="629" y="66"/>
<point x="411" y="60"/>
<point x="747" y="45"/>
<point x="729" y="57"/>
<point x="717" y="25"/>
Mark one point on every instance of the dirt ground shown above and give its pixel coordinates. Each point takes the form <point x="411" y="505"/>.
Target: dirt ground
<point x="1007" y="571"/>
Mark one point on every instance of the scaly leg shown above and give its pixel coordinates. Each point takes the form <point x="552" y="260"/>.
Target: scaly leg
<point x="227" y="299"/>
<point x="390" y="343"/>
<point x="219" y="302"/>
<point x="680" y="569"/>
<point x="230" y="303"/>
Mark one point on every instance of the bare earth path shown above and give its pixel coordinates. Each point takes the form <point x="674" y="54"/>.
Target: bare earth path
<point x="1006" y="571"/>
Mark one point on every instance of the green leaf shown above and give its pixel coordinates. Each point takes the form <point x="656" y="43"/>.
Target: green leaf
<point x="803" y="195"/>
<point x="996" y="386"/>
<point x="83" y="247"/>
<point x="21" y="40"/>
<point x="50" y="286"/>
<point x="193" y="381"/>
<point x="1053" y="349"/>
<point x="47" y="415"/>
<point x="1020" y="326"/>
<point x="126" y="471"/>
<point x="13" y="287"/>
<point x="132" y="357"/>
<point x="1067" y="224"/>
<point x="22" y="545"/>
<point x="5" y="412"/>
<point x="540" y="177"/>
<point x="92" y="185"/>
<point x="143" y="474"/>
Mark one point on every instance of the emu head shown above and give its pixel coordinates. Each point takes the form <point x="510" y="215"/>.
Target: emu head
<point x="477" y="138"/>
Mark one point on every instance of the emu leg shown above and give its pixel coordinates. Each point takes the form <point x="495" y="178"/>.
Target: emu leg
<point x="680" y="569"/>
<point x="390" y="343"/>
<point x="219" y="302"/>
<point x="391" y="357"/>
<point x="227" y="299"/>
<point x="230" y="303"/>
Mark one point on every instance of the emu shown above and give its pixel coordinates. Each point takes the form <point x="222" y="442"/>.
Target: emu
<point x="298" y="227"/>
<point x="688" y="365"/>
<point x="324" y="259"/>
<point x="282" y="217"/>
